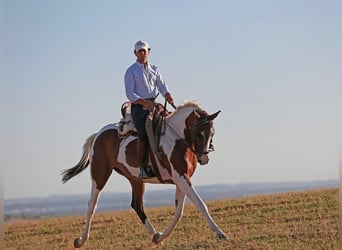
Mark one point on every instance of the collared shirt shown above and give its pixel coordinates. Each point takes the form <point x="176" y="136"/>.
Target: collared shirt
<point x="143" y="83"/>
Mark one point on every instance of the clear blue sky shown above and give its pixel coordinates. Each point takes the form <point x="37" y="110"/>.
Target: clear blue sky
<point x="272" y="67"/>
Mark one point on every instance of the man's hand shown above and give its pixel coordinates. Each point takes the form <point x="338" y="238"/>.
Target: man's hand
<point x="169" y="98"/>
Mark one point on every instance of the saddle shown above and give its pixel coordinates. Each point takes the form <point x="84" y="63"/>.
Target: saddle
<point x="155" y="125"/>
<point x="126" y="126"/>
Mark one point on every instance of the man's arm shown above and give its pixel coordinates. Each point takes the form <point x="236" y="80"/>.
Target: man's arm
<point x="129" y="86"/>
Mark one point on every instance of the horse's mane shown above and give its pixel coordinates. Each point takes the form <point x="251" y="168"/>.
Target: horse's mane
<point x="188" y="104"/>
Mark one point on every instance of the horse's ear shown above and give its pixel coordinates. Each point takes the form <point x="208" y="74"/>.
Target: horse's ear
<point x="197" y="114"/>
<point x="213" y="116"/>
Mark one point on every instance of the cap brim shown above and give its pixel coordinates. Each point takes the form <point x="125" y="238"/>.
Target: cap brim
<point x="145" y="48"/>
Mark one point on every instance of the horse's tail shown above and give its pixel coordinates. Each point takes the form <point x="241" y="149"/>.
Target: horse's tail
<point x="83" y="163"/>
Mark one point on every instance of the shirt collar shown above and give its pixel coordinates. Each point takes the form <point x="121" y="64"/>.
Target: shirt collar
<point x="141" y="65"/>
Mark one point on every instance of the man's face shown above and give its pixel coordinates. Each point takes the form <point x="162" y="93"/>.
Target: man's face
<point x="142" y="55"/>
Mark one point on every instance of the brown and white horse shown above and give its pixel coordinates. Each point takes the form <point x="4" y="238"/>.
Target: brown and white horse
<point x="186" y="141"/>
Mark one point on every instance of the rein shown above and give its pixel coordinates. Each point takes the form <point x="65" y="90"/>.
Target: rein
<point x="202" y="122"/>
<point x="179" y="136"/>
<point x="165" y="124"/>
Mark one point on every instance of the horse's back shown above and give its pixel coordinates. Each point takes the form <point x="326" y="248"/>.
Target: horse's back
<point x="106" y="128"/>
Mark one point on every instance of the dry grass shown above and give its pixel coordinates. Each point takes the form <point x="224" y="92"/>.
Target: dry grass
<point x="301" y="220"/>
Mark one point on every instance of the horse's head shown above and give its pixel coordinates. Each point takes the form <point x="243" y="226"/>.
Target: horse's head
<point x="203" y="132"/>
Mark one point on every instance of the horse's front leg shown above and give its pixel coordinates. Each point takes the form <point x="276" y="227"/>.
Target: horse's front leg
<point x="179" y="200"/>
<point x="138" y="189"/>
<point x="185" y="186"/>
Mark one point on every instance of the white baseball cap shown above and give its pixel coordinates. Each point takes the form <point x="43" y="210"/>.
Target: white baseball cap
<point x="141" y="45"/>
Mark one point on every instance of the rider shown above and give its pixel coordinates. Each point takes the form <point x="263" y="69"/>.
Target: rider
<point x="143" y="81"/>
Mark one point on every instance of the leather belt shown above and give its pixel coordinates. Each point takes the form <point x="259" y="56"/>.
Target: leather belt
<point x="150" y="99"/>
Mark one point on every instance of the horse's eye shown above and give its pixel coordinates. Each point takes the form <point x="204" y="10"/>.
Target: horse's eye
<point x="201" y="134"/>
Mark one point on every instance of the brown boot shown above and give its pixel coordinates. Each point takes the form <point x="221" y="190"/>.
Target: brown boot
<point x="145" y="170"/>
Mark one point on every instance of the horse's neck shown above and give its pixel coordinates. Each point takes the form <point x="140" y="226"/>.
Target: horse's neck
<point x="177" y="119"/>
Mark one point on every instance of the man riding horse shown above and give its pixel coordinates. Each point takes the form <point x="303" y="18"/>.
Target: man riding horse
<point x="143" y="81"/>
<point x="186" y="140"/>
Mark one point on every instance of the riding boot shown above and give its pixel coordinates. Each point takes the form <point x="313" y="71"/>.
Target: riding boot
<point x="145" y="170"/>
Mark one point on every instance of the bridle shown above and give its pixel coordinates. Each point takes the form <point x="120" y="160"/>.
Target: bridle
<point x="203" y="120"/>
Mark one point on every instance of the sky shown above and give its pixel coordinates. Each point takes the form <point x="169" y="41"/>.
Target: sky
<point x="272" y="67"/>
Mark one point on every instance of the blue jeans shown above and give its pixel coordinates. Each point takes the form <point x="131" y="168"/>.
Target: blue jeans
<point x="139" y="115"/>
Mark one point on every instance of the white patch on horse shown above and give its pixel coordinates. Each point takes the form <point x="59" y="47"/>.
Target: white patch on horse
<point x="122" y="156"/>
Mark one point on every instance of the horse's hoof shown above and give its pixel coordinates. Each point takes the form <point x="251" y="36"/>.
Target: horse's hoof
<point x="78" y="243"/>
<point x="155" y="238"/>
<point x="221" y="236"/>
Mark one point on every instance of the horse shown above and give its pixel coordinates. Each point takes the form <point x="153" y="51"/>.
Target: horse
<point x="187" y="139"/>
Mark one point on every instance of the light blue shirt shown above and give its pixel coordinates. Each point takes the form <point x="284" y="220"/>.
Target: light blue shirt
<point x="143" y="83"/>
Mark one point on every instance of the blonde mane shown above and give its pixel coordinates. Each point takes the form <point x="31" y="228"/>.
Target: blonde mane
<point x="179" y="110"/>
<point x="187" y="104"/>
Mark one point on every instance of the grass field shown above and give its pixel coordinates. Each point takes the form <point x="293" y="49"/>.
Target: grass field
<point x="298" y="220"/>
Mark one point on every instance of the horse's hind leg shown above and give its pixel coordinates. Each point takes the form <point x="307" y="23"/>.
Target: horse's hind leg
<point x="100" y="172"/>
<point x="138" y="189"/>
<point x="90" y="213"/>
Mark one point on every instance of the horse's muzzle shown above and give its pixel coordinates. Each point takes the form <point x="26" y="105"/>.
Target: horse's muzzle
<point x="203" y="159"/>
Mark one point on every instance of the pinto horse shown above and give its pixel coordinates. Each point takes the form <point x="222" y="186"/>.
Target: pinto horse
<point x="187" y="140"/>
